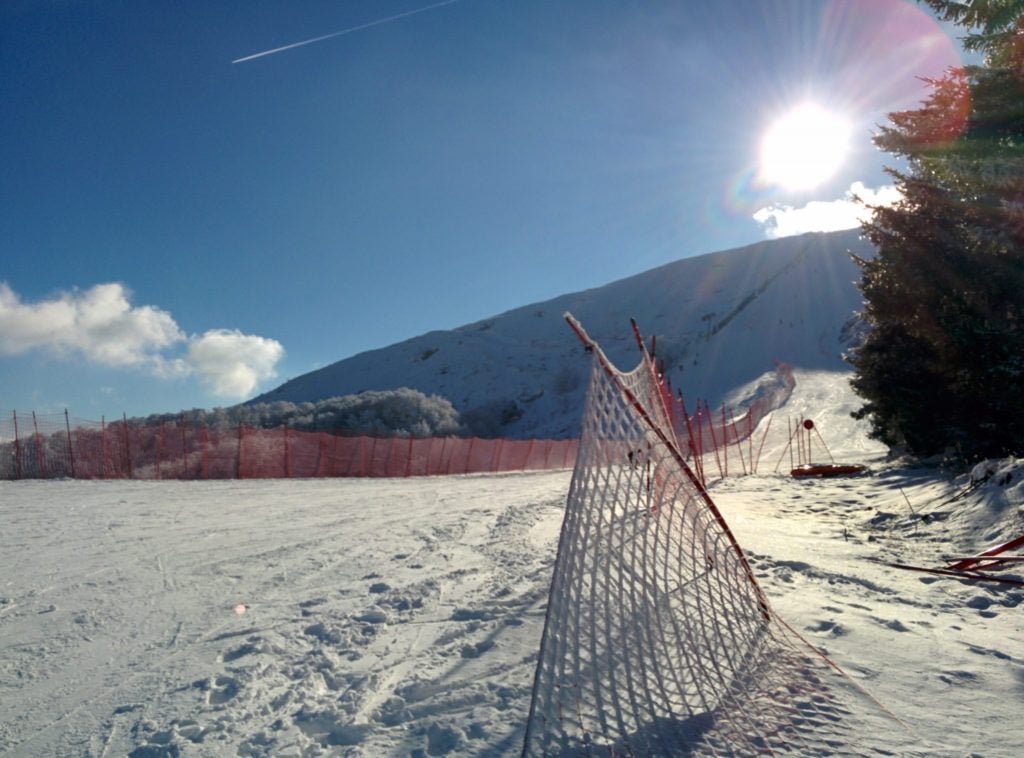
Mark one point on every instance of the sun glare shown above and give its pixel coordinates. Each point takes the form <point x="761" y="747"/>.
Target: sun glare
<point x="804" y="148"/>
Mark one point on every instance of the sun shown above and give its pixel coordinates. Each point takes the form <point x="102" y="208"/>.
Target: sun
<point x="804" y="147"/>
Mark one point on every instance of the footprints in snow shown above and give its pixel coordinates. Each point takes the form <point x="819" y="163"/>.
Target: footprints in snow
<point x="413" y="650"/>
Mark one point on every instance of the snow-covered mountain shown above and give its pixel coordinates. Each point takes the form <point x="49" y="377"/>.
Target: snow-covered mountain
<point x="720" y="320"/>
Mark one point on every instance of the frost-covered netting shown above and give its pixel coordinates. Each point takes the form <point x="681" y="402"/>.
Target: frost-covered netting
<point x="658" y="639"/>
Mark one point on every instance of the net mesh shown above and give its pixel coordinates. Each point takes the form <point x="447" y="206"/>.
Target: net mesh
<point x="34" y="446"/>
<point x="658" y="639"/>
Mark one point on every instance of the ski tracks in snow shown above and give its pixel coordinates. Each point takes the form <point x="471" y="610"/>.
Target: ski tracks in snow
<point x="403" y="617"/>
<point x="300" y="618"/>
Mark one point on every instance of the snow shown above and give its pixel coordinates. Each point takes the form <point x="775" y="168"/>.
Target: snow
<point x="403" y="616"/>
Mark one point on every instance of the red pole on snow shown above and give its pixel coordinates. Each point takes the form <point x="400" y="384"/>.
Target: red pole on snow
<point x="408" y="458"/>
<point x="159" y="449"/>
<point x="239" y="471"/>
<point x="205" y="441"/>
<point x="127" y="446"/>
<point x="739" y="441"/>
<point x="440" y="458"/>
<point x="184" y="450"/>
<point x="373" y="449"/>
<point x="763" y="438"/>
<point x="496" y="457"/>
<point x="71" y="449"/>
<point x="39" y="447"/>
<point x="698" y="462"/>
<point x="725" y="442"/>
<point x="750" y="441"/>
<point x="17" y="445"/>
<point x="714" y="438"/>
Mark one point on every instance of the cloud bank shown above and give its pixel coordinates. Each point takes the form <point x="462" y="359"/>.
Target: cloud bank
<point x="232" y="364"/>
<point x="825" y="216"/>
<point x="102" y="326"/>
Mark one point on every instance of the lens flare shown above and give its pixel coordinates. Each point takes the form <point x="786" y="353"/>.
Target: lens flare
<point x="804" y="148"/>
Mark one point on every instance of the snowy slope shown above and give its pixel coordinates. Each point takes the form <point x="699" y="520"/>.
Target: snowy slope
<point x="403" y="617"/>
<point x="720" y="319"/>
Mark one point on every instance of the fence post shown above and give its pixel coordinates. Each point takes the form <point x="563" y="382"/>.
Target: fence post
<point x="739" y="441"/>
<point x="496" y="457"/>
<point x="714" y="438"/>
<point x="390" y="454"/>
<point x="695" y="451"/>
<point x="17" y="445"/>
<point x="440" y="458"/>
<point x="159" y="449"/>
<point x="41" y="465"/>
<point x="750" y="441"/>
<point x="184" y="450"/>
<point x="725" y="443"/>
<point x="408" y="458"/>
<point x="205" y="442"/>
<point x="373" y="457"/>
<point x="789" y="430"/>
<point x="239" y="471"/>
<point x="103" y="447"/>
<point x="71" y="448"/>
<point x="287" y="458"/>
<point x="127" y="446"/>
<point x="469" y="454"/>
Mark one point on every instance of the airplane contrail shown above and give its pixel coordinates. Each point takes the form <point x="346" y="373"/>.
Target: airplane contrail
<point x="378" y="22"/>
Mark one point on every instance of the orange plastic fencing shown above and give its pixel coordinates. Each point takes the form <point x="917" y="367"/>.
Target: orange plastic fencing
<point x="37" y="446"/>
<point x="719" y="443"/>
<point x="720" y="434"/>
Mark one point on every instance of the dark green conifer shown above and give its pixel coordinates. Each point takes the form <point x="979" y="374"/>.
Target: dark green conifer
<point x="942" y="369"/>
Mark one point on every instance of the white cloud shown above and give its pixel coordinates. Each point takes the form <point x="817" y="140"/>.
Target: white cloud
<point x="232" y="364"/>
<point x="825" y="216"/>
<point x="101" y="325"/>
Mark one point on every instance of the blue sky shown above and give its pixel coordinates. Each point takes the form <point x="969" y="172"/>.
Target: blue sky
<point x="180" y="230"/>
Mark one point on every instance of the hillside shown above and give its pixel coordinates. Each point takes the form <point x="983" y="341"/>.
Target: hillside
<point x="721" y="320"/>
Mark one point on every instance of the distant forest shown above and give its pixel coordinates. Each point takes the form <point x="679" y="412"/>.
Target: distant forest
<point x="402" y="412"/>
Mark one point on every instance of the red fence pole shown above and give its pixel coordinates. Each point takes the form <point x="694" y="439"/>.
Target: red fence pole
<point x="240" y="471"/>
<point x="496" y="456"/>
<point x="205" y="460"/>
<point x="714" y="438"/>
<point x="41" y="465"/>
<point x="71" y="449"/>
<point x="184" y="450"/>
<point x="440" y="458"/>
<point x="725" y="442"/>
<point x="127" y="447"/>
<point x="287" y="457"/>
<point x="17" y="445"/>
<point x="103" y="447"/>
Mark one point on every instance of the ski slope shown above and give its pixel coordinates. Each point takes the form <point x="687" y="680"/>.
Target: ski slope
<point x="403" y="616"/>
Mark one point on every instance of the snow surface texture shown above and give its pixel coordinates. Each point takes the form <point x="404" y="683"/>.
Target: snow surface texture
<point x="403" y="617"/>
<point x="720" y="319"/>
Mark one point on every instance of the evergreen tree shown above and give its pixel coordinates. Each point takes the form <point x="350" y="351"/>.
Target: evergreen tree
<point x="943" y="365"/>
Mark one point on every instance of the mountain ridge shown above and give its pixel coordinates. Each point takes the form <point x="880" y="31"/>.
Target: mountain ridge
<point x="721" y="320"/>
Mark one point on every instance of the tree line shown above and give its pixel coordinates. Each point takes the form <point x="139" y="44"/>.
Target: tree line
<point x="401" y="412"/>
<point x="941" y="370"/>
